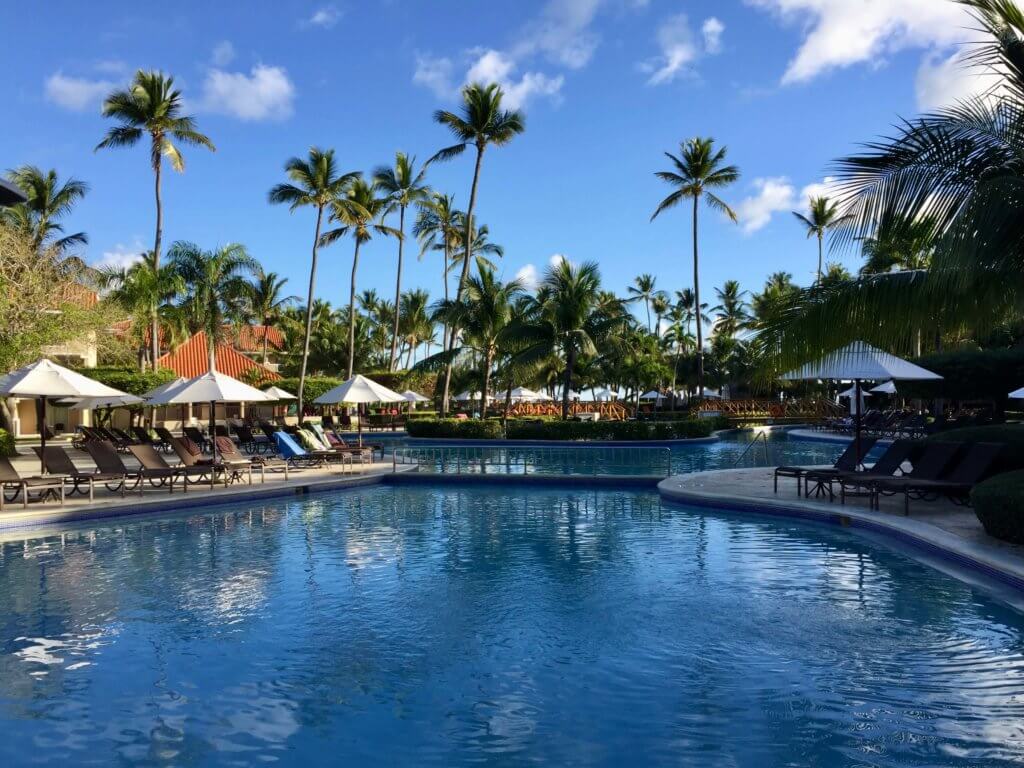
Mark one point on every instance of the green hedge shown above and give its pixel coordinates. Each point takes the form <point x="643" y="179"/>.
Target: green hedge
<point x="1011" y="434"/>
<point x="970" y="374"/>
<point x="130" y="380"/>
<point x="7" y="443"/>
<point x="469" y="429"/>
<point x="315" y="386"/>
<point x="999" y="504"/>
<point x="528" y="429"/>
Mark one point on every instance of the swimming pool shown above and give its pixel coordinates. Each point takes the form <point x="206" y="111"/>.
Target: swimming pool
<point x="443" y="625"/>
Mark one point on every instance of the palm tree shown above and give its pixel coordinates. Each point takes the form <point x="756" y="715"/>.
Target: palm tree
<point x="660" y="306"/>
<point x="482" y="246"/>
<point x="152" y="105"/>
<point x="697" y="170"/>
<point x="405" y="187"/>
<point x="267" y="304"/>
<point x="679" y="338"/>
<point x="146" y="294"/>
<point x="438" y="220"/>
<point x="822" y="216"/>
<point x="732" y="309"/>
<point x="482" y="123"/>
<point x="48" y="201"/>
<point x="316" y="183"/>
<point x="899" y="243"/>
<point x="216" y="288"/>
<point x="360" y="213"/>
<point x="643" y="290"/>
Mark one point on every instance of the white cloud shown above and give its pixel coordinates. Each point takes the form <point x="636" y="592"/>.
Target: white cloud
<point x="528" y="276"/>
<point x="841" y="33"/>
<point x="824" y="188"/>
<point x="493" y="66"/>
<point x="562" y="32"/>
<point x="436" y="73"/>
<point x="120" y="256"/>
<point x="558" y="258"/>
<point x="712" y="30"/>
<point x="944" y="80"/>
<point x="111" y="66"/>
<point x="325" y="17"/>
<point x="223" y="53"/>
<point x="265" y="93"/>
<point x="772" y="195"/>
<point x="76" y="93"/>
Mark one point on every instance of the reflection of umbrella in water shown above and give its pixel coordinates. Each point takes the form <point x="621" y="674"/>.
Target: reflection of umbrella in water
<point x="43" y="379"/>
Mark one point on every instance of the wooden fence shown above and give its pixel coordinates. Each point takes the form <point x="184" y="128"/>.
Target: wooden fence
<point x="610" y="411"/>
<point x="805" y="408"/>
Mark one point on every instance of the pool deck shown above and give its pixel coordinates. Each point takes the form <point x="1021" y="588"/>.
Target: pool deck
<point x="938" y="527"/>
<point x="49" y="514"/>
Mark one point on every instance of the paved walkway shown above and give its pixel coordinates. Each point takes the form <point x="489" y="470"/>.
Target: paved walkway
<point x="940" y="525"/>
<point x="159" y="500"/>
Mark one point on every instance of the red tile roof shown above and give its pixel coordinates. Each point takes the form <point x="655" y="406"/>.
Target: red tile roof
<point x="192" y="359"/>
<point x="249" y="338"/>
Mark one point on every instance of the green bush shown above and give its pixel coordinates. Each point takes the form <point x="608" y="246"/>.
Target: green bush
<point x="469" y="429"/>
<point x="7" y="443"/>
<point x="315" y="386"/>
<point x="130" y="380"/>
<point x="1011" y="434"/>
<point x="970" y="374"/>
<point x="420" y="415"/>
<point x="999" y="505"/>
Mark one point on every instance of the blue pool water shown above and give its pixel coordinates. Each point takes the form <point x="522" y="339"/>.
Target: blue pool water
<point x="457" y="626"/>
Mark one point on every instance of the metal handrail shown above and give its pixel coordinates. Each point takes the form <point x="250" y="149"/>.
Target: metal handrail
<point x="763" y="436"/>
<point x="569" y="460"/>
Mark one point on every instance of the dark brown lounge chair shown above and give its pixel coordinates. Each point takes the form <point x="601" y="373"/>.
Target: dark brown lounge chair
<point x="888" y="464"/>
<point x="848" y="461"/>
<point x="10" y="479"/>
<point x="57" y="462"/>
<point x="929" y="465"/>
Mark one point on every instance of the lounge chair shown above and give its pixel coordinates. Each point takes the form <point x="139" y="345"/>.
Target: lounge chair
<point x="197" y="437"/>
<point x="209" y="467"/>
<point x="251" y="443"/>
<point x="334" y="443"/>
<point x="929" y="465"/>
<point x="296" y="455"/>
<point x="156" y="465"/>
<point x="955" y="483"/>
<point x="10" y="479"/>
<point x="144" y="437"/>
<point x="58" y="463"/>
<point x="229" y="451"/>
<point x="157" y="474"/>
<point x="889" y="463"/>
<point x="848" y="461"/>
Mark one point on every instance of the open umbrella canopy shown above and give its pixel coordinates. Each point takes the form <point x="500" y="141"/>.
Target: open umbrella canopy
<point x="210" y="387"/>
<point x="852" y="392"/>
<point x="1017" y="394"/>
<point x="522" y="393"/>
<point x="860" y="361"/>
<point x="359" y="389"/>
<point x="276" y="393"/>
<point x="467" y="395"/>
<point x="10" y="194"/>
<point x="113" y="401"/>
<point x="415" y="397"/>
<point x="157" y="391"/>
<point x="44" y="378"/>
<point x="888" y="388"/>
<point x="652" y="395"/>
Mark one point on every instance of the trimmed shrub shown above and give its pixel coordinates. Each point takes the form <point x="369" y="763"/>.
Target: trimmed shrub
<point x="315" y="386"/>
<point x="1011" y="434"/>
<point x="470" y="429"/>
<point x="999" y="504"/>
<point x="970" y="374"/>
<point x="130" y="380"/>
<point x="7" y="443"/>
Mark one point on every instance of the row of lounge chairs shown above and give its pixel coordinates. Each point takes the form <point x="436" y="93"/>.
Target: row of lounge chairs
<point x="914" y="470"/>
<point x="901" y="424"/>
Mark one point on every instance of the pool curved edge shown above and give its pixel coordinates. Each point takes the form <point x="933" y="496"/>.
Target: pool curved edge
<point x="924" y="537"/>
<point x="453" y="442"/>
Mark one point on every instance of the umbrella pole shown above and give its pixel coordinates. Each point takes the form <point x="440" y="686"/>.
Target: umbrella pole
<point x="213" y="439"/>
<point x="42" y="435"/>
<point x="857" y="420"/>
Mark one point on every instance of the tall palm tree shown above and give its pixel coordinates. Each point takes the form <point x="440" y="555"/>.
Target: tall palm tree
<point x="698" y="169"/>
<point x="482" y="247"/>
<point x="660" y="306"/>
<point x="315" y="183"/>
<point x="642" y="289"/>
<point x="481" y="122"/>
<point x="438" y="227"/>
<point x="679" y="338"/>
<point x="731" y="308"/>
<point x="152" y="105"/>
<point x="417" y="326"/>
<point x="899" y="243"/>
<point x="360" y="213"/>
<point x="48" y="201"/>
<point x="823" y="215"/>
<point x="405" y="187"/>
<point x="267" y="303"/>
<point x="146" y="294"/>
<point x="216" y="287"/>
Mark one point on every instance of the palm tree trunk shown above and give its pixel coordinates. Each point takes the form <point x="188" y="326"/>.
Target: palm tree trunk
<point x="570" y="363"/>
<point x="408" y="360"/>
<point x="696" y="301"/>
<point x="398" y="288"/>
<point x="820" y="258"/>
<point x="465" y="271"/>
<point x="647" y="304"/>
<point x="154" y="329"/>
<point x="266" y="329"/>
<point x="352" y="312"/>
<point x="486" y="382"/>
<point x="211" y="352"/>
<point x="309" y="315"/>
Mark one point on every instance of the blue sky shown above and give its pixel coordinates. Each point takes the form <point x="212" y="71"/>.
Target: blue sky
<point x="607" y="86"/>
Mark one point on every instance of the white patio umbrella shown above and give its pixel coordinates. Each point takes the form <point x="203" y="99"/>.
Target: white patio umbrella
<point x="357" y="390"/>
<point x="113" y="401"/>
<point x="888" y="388"/>
<point x="211" y="387"/>
<point x="467" y="395"/>
<point x="1017" y="394"/>
<point x="860" y="361"/>
<point x="522" y="393"/>
<point x="415" y="397"/>
<point x="652" y="395"/>
<point x="851" y="393"/>
<point x="157" y="391"/>
<point x="276" y="393"/>
<point x="43" y="379"/>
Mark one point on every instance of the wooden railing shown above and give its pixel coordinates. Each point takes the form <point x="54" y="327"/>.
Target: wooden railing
<point x="609" y="411"/>
<point x="807" y="408"/>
